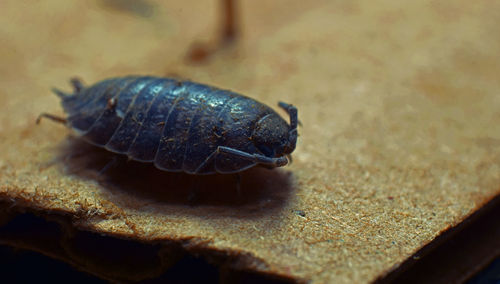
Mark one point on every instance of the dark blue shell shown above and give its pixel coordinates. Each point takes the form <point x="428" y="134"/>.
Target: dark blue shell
<point x="175" y="125"/>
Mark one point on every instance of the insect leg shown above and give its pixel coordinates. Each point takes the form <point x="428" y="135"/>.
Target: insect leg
<point x="51" y="117"/>
<point x="261" y="159"/>
<point x="238" y="184"/>
<point x="207" y="160"/>
<point x="109" y="165"/>
<point x="194" y="191"/>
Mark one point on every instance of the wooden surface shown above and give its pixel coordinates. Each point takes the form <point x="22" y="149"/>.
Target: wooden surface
<point x="399" y="103"/>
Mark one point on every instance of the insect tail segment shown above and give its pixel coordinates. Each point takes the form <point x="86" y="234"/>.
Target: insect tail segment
<point x="68" y="99"/>
<point x="60" y="93"/>
<point x="77" y="86"/>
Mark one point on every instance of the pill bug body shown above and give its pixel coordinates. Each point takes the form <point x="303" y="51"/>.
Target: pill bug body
<point x="179" y="126"/>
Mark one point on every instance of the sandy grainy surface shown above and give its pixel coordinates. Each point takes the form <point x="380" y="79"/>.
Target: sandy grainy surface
<point x="399" y="103"/>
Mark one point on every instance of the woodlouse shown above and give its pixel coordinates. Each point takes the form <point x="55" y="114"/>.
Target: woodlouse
<point x="179" y="126"/>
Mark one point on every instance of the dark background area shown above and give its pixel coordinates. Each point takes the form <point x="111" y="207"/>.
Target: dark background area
<point x="468" y="252"/>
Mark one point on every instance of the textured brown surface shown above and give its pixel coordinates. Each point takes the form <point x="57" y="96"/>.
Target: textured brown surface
<point x="399" y="105"/>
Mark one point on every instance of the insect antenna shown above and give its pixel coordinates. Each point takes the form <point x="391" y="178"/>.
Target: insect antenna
<point x="292" y="112"/>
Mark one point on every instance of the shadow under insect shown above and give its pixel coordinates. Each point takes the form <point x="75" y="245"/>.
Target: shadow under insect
<point x="256" y="186"/>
